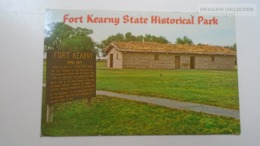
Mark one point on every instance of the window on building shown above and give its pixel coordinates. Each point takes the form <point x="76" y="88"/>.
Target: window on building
<point x="212" y="58"/>
<point x="116" y="56"/>
<point x="156" y="56"/>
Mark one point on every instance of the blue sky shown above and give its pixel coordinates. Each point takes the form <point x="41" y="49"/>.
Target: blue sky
<point x="222" y="34"/>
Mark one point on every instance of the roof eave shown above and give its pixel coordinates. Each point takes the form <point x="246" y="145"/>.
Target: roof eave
<point x="174" y="52"/>
<point x="110" y="46"/>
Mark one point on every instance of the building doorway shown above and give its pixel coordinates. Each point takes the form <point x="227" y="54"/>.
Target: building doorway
<point x="111" y="61"/>
<point x="177" y="62"/>
<point x="192" y="62"/>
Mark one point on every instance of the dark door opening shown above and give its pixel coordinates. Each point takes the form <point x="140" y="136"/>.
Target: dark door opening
<point x="192" y="62"/>
<point x="177" y="62"/>
<point x="111" y="60"/>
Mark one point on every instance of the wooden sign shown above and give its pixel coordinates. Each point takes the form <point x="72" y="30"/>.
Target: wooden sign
<point x="71" y="75"/>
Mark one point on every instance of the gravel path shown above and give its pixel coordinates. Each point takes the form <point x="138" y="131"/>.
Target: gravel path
<point x="175" y="104"/>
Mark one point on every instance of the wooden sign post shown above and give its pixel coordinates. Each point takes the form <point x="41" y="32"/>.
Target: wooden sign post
<point x="70" y="75"/>
<point x="49" y="114"/>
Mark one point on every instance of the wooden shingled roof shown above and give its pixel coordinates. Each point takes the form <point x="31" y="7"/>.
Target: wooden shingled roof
<point x="169" y="48"/>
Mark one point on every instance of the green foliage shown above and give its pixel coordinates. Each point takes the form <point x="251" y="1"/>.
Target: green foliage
<point x="211" y="87"/>
<point x="232" y="47"/>
<point x="112" y="116"/>
<point x="61" y="36"/>
<point x="128" y="37"/>
<point x="184" y="40"/>
<point x="118" y="37"/>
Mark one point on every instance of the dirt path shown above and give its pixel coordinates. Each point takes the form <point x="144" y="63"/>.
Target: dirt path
<point x="175" y="104"/>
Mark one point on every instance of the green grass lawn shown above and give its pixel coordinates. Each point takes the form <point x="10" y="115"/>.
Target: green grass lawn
<point x="211" y="87"/>
<point x="112" y="116"/>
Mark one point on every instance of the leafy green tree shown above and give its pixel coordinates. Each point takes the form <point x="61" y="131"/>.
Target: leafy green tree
<point x="234" y="47"/>
<point x="184" y="40"/>
<point x="61" y="36"/>
<point x="118" y="37"/>
<point x="148" y="38"/>
<point x="129" y="37"/>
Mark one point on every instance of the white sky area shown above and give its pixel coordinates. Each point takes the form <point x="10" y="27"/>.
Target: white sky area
<point x="222" y="34"/>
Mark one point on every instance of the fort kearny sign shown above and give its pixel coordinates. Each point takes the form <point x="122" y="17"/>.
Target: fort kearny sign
<point x="71" y="75"/>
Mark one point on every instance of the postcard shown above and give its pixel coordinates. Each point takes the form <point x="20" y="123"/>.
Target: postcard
<point x="128" y="73"/>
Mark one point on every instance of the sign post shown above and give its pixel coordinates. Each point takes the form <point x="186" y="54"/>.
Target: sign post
<point x="71" y="75"/>
<point x="49" y="116"/>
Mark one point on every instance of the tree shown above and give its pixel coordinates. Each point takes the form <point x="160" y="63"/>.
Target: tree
<point x="61" y="36"/>
<point x="129" y="37"/>
<point x="118" y="37"/>
<point x="184" y="40"/>
<point x="234" y="47"/>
